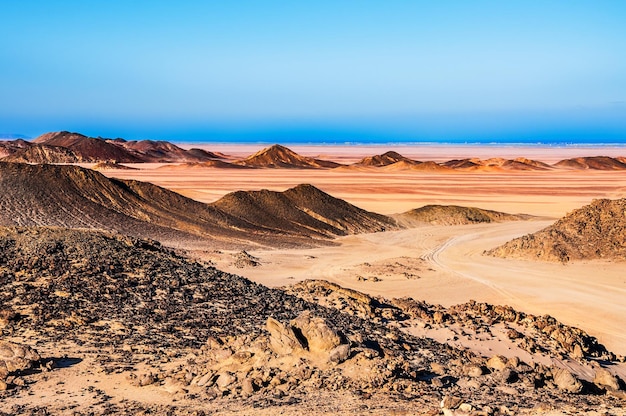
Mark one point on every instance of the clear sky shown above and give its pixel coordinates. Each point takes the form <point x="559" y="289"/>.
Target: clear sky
<point x="288" y="71"/>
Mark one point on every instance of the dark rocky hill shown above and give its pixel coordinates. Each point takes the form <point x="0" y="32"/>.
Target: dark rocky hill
<point x="592" y="163"/>
<point x="42" y="153"/>
<point x="9" y="147"/>
<point x="303" y="210"/>
<point x="385" y="159"/>
<point x="278" y="156"/>
<point x="90" y="149"/>
<point x="595" y="231"/>
<point x="69" y="196"/>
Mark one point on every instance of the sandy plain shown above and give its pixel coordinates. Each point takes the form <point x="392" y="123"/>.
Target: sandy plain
<point x="437" y="264"/>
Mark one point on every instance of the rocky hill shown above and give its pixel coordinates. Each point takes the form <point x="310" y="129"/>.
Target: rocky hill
<point x="102" y="324"/>
<point x="300" y="209"/>
<point x="453" y="215"/>
<point x="9" y="147"/>
<point x="595" y="231"/>
<point x="90" y="149"/>
<point x="278" y="156"/>
<point x="497" y="164"/>
<point x="592" y="163"/>
<point x="69" y="196"/>
<point x="384" y="159"/>
<point x="42" y="153"/>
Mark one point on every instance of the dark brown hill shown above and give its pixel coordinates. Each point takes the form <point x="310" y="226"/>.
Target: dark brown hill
<point x="497" y="163"/>
<point x="592" y="163"/>
<point x="385" y="159"/>
<point x="9" y="147"/>
<point x="164" y="152"/>
<point x="278" y="156"/>
<point x="453" y="215"/>
<point x="88" y="149"/>
<point x="302" y="210"/>
<point x="595" y="231"/>
<point x="139" y="302"/>
<point x="461" y="164"/>
<point x="69" y="196"/>
<point x="42" y="153"/>
<point x="522" y="163"/>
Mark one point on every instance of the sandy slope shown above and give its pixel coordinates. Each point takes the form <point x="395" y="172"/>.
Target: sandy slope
<point x="445" y="265"/>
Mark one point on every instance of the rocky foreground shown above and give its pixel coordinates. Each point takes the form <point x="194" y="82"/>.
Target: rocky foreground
<point x="96" y="323"/>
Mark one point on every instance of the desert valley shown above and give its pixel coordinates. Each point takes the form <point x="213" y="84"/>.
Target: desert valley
<point x="144" y="277"/>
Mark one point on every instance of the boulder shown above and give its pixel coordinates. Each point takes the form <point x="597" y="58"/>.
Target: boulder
<point x="315" y="330"/>
<point x="565" y="381"/>
<point x="283" y="339"/>
<point x="605" y="379"/>
<point x="497" y="362"/>
<point x="16" y="357"/>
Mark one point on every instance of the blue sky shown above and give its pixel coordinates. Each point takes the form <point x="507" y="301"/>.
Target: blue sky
<point x="316" y="71"/>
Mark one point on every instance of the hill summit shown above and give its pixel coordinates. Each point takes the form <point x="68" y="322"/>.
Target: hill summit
<point x="278" y="156"/>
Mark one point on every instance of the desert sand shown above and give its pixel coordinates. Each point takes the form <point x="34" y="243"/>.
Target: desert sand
<point x="438" y="264"/>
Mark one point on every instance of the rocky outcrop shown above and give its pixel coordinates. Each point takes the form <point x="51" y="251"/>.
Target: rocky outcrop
<point x="595" y="231"/>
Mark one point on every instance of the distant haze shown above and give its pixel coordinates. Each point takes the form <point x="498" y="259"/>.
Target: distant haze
<point x="323" y="71"/>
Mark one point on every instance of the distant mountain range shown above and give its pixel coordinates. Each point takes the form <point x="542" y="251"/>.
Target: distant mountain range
<point x="66" y="147"/>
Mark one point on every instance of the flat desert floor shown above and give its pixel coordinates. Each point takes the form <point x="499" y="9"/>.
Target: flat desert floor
<point x="438" y="264"/>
